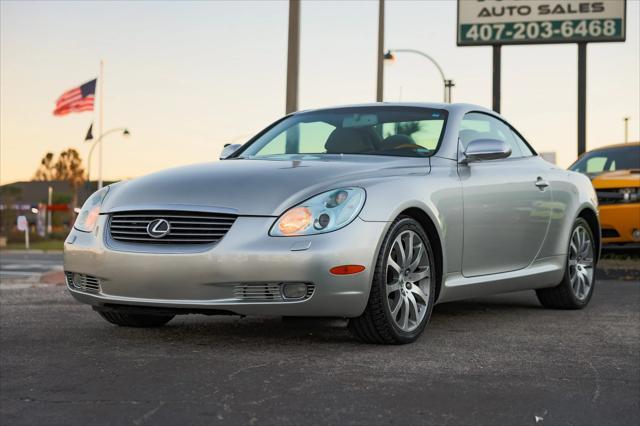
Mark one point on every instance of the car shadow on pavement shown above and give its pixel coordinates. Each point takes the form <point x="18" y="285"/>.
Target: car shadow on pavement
<point x="235" y="331"/>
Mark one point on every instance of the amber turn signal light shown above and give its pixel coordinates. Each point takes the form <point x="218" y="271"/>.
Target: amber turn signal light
<point x="346" y="269"/>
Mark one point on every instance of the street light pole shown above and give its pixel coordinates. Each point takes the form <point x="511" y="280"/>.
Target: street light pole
<point x="447" y="84"/>
<point x="293" y="57"/>
<point x="100" y="128"/>
<point x="125" y="132"/>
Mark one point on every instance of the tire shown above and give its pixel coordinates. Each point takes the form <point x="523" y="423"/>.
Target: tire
<point x="572" y="292"/>
<point x="135" y="320"/>
<point x="378" y="324"/>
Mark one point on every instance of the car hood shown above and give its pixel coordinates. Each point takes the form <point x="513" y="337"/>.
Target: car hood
<point x="254" y="187"/>
<point x="617" y="179"/>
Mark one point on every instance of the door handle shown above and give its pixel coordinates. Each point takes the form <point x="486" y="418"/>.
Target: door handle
<point x="541" y="183"/>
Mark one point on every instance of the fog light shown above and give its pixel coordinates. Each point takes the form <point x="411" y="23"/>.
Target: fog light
<point x="294" y="290"/>
<point x="635" y="235"/>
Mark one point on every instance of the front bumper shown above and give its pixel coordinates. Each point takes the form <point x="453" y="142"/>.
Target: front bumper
<point x="618" y="221"/>
<point x="209" y="279"/>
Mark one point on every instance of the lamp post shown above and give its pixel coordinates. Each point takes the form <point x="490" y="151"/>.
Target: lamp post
<point x="125" y="132"/>
<point x="446" y="83"/>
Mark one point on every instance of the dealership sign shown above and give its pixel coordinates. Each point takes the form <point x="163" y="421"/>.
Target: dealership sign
<point x="486" y="22"/>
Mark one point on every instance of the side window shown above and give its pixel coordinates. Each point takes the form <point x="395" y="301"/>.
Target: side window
<point x="477" y="125"/>
<point x="524" y="148"/>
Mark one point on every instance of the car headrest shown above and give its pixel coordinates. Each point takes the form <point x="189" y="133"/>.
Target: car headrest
<point x="347" y="141"/>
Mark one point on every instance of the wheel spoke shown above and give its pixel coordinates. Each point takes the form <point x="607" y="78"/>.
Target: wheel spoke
<point x="417" y="291"/>
<point x="413" y="306"/>
<point x="409" y="249"/>
<point x="392" y="263"/>
<point x="403" y="256"/>
<point x="582" y="285"/>
<point x="393" y="287"/>
<point x="405" y="314"/>
<point x="394" y="311"/>
<point x="419" y="275"/>
<point x="417" y="259"/>
<point x="574" y="248"/>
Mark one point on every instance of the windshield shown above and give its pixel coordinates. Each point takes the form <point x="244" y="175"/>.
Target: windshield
<point x="608" y="160"/>
<point x="398" y="131"/>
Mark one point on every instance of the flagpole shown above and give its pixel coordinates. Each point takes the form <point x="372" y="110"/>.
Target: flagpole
<point x="100" y="118"/>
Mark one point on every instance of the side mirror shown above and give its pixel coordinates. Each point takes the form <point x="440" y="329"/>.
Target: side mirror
<point x="229" y="149"/>
<point x="486" y="149"/>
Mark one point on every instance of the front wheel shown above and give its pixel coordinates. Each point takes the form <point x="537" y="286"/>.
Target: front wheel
<point x="403" y="287"/>
<point x="576" y="288"/>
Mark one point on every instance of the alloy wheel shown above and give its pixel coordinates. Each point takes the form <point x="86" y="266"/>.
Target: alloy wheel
<point x="408" y="280"/>
<point x="581" y="261"/>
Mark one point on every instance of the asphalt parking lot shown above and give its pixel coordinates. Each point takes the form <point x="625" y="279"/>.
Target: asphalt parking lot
<point x="497" y="360"/>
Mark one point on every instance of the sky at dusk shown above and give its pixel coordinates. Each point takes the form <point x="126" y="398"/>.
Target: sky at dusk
<point x="188" y="77"/>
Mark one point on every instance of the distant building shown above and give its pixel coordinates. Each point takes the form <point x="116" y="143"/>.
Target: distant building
<point x="29" y="198"/>
<point x="30" y="194"/>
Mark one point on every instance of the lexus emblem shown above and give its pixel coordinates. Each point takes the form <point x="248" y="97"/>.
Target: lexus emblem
<point x="158" y="228"/>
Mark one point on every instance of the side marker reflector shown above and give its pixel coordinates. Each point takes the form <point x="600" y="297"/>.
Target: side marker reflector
<point x="347" y="269"/>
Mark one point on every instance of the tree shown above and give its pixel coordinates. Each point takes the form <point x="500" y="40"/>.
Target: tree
<point x="68" y="167"/>
<point x="9" y="196"/>
<point x="46" y="169"/>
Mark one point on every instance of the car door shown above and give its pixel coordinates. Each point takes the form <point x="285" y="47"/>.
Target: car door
<point x="505" y="202"/>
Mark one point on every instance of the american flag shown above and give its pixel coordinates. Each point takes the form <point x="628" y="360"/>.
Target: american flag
<point x="77" y="99"/>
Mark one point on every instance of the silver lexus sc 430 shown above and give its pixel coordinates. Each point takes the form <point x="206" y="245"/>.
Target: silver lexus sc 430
<point x="370" y="212"/>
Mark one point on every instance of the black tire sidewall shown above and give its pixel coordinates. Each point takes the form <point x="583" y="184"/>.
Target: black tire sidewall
<point x="401" y="225"/>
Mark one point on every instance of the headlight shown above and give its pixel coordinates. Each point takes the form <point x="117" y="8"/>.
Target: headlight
<point x="325" y="212"/>
<point x="88" y="216"/>
<point x="629" y="195"/>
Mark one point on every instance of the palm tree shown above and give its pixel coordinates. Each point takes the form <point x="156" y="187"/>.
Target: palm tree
<point x="46" y="169"/>
<point x="68" y="168"/>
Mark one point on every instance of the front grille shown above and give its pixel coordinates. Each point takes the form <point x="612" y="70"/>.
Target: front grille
<point x="83" y="282"/>
<point x="610" y="196"/>
<point x="609" y="233"/>
<point x="618" y="195"/>
<point x="265" y="292"/>
<point x="184" y="227"/>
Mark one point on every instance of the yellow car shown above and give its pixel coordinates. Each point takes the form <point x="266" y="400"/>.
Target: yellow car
<point x="615" y="173"/>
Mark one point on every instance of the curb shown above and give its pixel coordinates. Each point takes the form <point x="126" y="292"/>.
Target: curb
<point x="34" y="251"/>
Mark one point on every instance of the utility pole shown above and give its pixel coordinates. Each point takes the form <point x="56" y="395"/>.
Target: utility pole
<point x="380" y="80"/>
<point x="497" y="67"/>
<point x="448" y="84"/>
<point x="293" y="56"/>
<point x="582" y="98"/>
<point x="626" y="129"/>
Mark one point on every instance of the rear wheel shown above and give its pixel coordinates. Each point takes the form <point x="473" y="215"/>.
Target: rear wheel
<point x="403" y="287"/>
<point x="576" y="288"/>
<point x="135" y="320"/>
